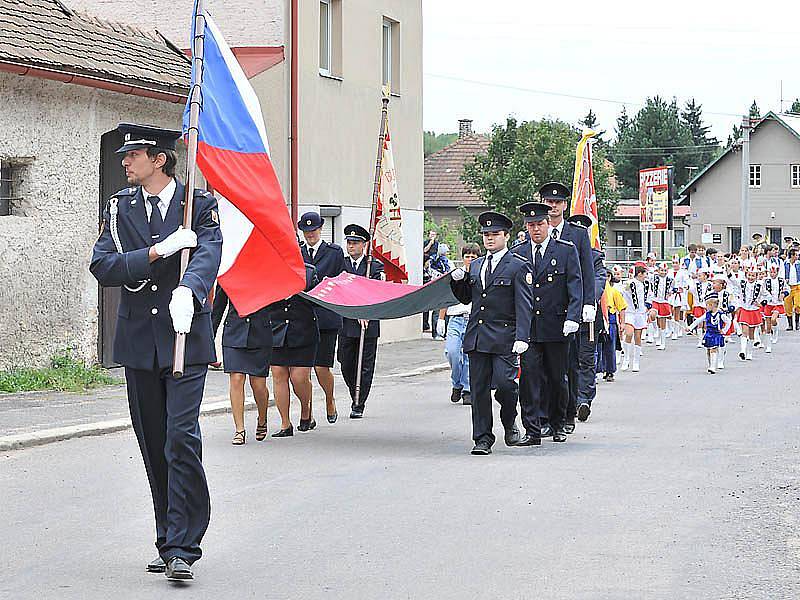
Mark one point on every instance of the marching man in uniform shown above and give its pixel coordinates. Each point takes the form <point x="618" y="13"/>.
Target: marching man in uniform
<point x="498" y="286"/>
<point x="139" y="250"/>
<point x="556" y="314"/>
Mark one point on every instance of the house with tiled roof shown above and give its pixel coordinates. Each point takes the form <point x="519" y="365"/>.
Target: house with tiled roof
<point x="66" y="80"/>
<point x="444" y="189"/>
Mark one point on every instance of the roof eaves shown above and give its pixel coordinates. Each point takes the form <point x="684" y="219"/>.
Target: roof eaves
<point x="684" y="191"/>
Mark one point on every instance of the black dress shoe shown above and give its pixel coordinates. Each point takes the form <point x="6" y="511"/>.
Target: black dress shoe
<point x="178" y="570"/>
<point x="546" y="431"/>
<point x="511" y="437"/>
<point x="455" y="395"/>
<point x="466" y="398"/>
<point x="560" y="435"/>
<point x="529" y="440"/>
<point x="156" y="565"/>
<point x="306" y="424"/>
<point x="357" y="412"/>
<point x="332" y="418"/>
<point x="584" y="410"/>
<point x="569" y="427"/>
<point x="481" y="449"/>
<point x="288" y="432"/>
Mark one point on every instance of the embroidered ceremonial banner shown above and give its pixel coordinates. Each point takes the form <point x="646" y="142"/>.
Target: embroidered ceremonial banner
<point x="357" y="297"/>
<point x="387" y="244"/>
<point x="584" y="200"/>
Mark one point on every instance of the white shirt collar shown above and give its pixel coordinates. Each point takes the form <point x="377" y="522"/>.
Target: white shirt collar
<point x="543" y="244"/>
<point x="559" y="228"/>
<point x="316" y="246"/>
<point x="357" y="260"/>
<point x="164" y="197"/>
<point x="497" y="256"/>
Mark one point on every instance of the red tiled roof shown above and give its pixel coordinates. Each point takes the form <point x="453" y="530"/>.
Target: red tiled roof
<point x="443" y="170"/>
<point x="631" y="211"/>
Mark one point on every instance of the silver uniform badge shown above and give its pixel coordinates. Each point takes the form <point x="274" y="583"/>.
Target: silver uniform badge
<point x="553" y="262"/>
<point x="529" y="278"/>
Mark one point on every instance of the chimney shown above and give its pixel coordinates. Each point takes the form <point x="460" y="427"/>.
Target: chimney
<point x="464" y="128"/>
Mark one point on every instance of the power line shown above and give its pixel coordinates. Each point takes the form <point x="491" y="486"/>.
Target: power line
<point x="556" y="94"/>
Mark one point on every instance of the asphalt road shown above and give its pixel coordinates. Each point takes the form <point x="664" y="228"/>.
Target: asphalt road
<point x="681" y="485"/>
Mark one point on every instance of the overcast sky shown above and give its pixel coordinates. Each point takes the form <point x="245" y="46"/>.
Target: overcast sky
<point x="724" y="54"/>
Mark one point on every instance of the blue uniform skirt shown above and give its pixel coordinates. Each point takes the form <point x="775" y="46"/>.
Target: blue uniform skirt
<point x="302" y="356"/>
<point x="250" y="361"/>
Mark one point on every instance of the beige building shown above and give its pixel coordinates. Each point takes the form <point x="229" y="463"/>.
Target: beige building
<point x="714" y="195"/>
<point x="323" y="94"/>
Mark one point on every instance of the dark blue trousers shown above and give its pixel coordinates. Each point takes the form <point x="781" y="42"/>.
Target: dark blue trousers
<point x="581" y="373"/>
<point x="606" y="350"/>
<point x="487" y="371"/>
<point x="164" y="413"/>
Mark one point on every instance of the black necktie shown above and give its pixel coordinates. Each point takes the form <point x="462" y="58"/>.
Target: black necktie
<point x="355" y="265"/>
<point x="156" y="221"/>
<point x="554" y="233"/>
<point x="311" y="253"/>
<point x="538" y="260"/>
<point x="488" y="277"/>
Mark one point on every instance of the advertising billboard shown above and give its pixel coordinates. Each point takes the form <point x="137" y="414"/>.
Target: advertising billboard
<point x="655" y="198"/>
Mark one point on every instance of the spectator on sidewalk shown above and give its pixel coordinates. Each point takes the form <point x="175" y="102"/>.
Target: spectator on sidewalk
<point x="439" y="265"/>
<point x="429" y="251"/>
<point x="453" y="324"/>
<point x="607" y="344"/>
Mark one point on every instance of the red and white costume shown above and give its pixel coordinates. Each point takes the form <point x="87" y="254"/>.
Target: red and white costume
<point x="775" y="289"/>
<point x="750" y="304"/>
<point x="679" y="298"/>
<point x="662" y="290"/>
<point x="637" y="295"/>
<point x="699" y="291"/>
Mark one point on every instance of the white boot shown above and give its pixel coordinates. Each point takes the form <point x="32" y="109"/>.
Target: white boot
<point x="769" y="345"/>
<point x="757" y="339"/>
<point x="749" y="352"/>
<point x="673" y="325"/>
<point x="627" y="350"/>
<point x="774" y="334"/>
<point x="648" y="334"/>
<point x="712" y="362"/>
<point x="637" y="353"/>
<point x="743" y="347"/>
<point x="663" y="339"/>
<point x="700" y="334"/>
<point x="721" y="358"/>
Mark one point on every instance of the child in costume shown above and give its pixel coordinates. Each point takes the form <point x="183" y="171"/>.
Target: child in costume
<point x="637" y="297"/>
<point x="715" y="322"/>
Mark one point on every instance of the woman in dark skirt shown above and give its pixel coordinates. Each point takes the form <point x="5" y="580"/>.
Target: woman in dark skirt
<point x="246" y="350"/>
<point x="295" y="338"/>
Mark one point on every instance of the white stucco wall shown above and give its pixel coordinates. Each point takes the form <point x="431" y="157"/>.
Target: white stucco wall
<point x="243" y="22"/>
<point x="48" y="298"/>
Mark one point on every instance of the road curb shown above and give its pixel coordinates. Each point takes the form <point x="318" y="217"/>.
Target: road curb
<point x="215" y="405"/>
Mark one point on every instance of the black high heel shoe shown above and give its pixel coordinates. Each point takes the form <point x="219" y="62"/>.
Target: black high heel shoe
<point x="307" y="424"/>
<point x="288" y="432"/>
<point x="332" y="418"/>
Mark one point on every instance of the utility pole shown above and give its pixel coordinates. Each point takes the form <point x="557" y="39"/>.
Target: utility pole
<point x="745" y="180"/>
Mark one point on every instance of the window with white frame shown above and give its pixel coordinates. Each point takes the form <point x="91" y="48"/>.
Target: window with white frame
<point x="755" y="176"/>
<point x="325" y="31"/>
<point x="390" y="42"/>
<point x="795" y="171"/>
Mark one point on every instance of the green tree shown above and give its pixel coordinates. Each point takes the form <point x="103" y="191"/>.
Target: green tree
<point x="708" y="145"/>
<point x="447" y="232"/>
<point x="795" y="106"/>
<point x="736" y="133"/>
<point x="524" y="156"/>
<point x="432" y="142"/>
<point x="655" y="136"/>
<point x="590" y="121"/>
<point x="470" y="228"/>
<point x="755" y="112"/>
<point x="623" y="122"/>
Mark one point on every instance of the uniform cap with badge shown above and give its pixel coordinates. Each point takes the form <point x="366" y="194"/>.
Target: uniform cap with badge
<point x="356" y="233"/>
<point x="554" y="191"/>
<point x="491" y="221"/>
<point x="534" y="211"/>
<point x="310" y="221"/>
<point x="582" y="220"/>
<point x="138" y="137"/>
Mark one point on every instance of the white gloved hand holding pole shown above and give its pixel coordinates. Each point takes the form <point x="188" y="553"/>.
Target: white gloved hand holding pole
<point x="519" y="347"/>
<point x="589" y="313"/>
<point x="181" y="309"/>
<point x="176" y="241"/>
<point x="570" y="327"/>
<point x="458" y="274"/>
<point x="440" y="328"/>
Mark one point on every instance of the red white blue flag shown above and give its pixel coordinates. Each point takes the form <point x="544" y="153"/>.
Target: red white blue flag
<point x="261" y="260"/>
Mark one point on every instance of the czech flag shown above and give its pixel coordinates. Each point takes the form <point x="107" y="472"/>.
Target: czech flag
<point x="261" y="260"/>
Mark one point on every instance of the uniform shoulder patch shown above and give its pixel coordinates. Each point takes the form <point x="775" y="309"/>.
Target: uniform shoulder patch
<point x="529" y="278"/>
<point x="565" y="242"/>
<point x="215" y="216"/>
<point x="202" y="193"/>
<point x="129" y="191"/>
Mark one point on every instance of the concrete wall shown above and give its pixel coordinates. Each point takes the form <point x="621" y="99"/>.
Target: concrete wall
<point x="243" y="22"/>
<point x="48" y="298"/>
<point x="716" y="199"/>
<point x="340" y="119"/>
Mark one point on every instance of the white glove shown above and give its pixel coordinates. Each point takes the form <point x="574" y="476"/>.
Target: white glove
<point x="589" y="313"/>
<point x="175" y="242"/>
<point x="181" y="309"/>
<point x="440" y="327"/>
<point x="458" y="274"/>
<point x="570" y="327"/>
<point x="519" y="347"/>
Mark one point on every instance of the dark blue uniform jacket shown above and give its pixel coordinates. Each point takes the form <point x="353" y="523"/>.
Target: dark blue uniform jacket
<point x="501" y="313"/>
<point x="579" y="236"/>
<point x="557" y="289"/>
<point x="145" y="336"/>
<point x="251" y="332"/>
<point x="329" y="262"/>
<point x="294" y="322"/>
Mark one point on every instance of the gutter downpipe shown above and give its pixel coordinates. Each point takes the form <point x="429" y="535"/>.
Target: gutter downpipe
<point x="294" y="100"/>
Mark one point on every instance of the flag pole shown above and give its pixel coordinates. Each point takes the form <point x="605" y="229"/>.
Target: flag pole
<point x="376" y="190"/>
<point x="195" y="101"/>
